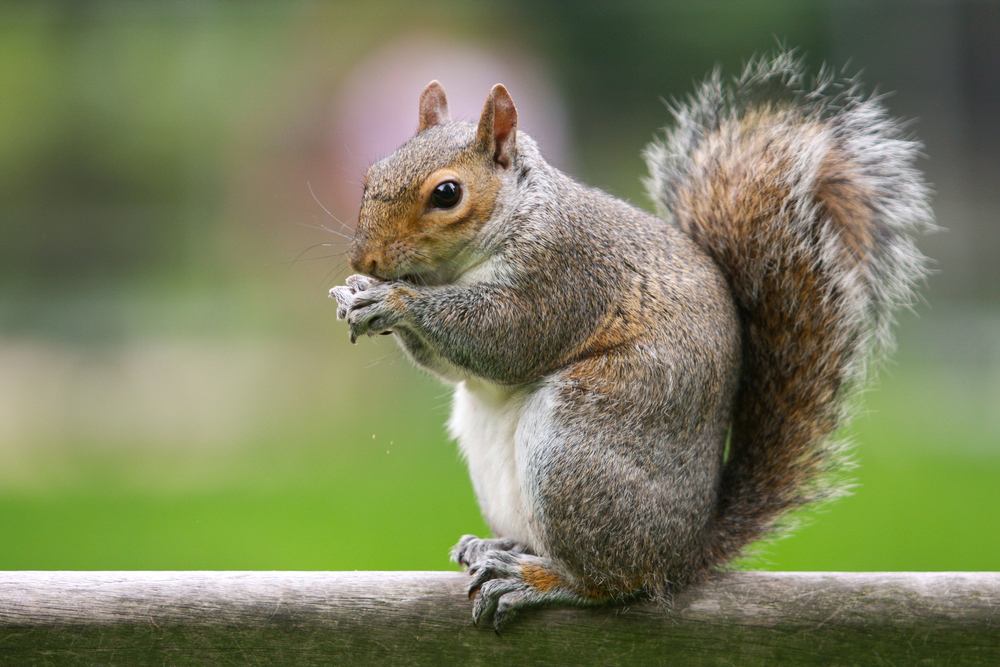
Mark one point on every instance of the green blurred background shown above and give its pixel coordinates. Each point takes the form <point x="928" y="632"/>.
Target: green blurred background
<point x="175" y="392"/>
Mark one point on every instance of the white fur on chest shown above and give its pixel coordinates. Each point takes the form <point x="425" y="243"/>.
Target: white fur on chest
<point x="485" y="420"/>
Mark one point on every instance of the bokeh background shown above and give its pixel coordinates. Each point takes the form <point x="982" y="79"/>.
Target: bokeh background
<point x="176" y="184"/>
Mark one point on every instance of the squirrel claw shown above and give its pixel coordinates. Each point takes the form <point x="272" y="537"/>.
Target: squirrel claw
<point x="362" y="302"/>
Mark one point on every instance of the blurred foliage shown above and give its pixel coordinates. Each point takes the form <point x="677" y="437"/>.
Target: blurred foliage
<point x="116" y="130"/>
<point x="174" y="390"/>
<point x="620" y="61"/>
<point x="383" y="489"/>
<point x="123" y="127"/>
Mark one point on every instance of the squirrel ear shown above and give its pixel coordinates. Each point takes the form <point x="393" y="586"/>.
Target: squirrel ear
<point x="498" y="126"/>
<point x="433" y="106"/>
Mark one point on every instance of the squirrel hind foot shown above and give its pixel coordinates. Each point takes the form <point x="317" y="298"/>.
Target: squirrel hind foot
<point x="506" y="579"/>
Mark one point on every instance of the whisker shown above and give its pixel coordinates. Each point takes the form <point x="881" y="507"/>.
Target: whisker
<point x="313" y="259"/>
<point x="334" y="270"/>
<point x="355" y="161"/>
<point x="322" y="228"/>
<point x="309" y="185"/>
<point x="317" y="245"/>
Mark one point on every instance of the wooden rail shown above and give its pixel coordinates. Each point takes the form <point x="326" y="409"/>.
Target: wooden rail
<point x="422" y="618"/>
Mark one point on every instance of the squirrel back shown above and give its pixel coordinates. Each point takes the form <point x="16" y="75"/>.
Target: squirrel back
<point x="807" y="201"/>
<point x="602" y="355"/>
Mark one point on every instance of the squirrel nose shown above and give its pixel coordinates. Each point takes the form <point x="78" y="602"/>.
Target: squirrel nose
<point x="361" y="261"/>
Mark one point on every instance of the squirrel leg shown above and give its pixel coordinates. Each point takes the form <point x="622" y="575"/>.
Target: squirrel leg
<point x="506" y="578"/>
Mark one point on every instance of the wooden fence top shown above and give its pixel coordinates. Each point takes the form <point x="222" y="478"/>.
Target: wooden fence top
<point x="423" y="618"/>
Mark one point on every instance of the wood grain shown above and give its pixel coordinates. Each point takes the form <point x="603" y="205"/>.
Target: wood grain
<point x="423" y="618"/>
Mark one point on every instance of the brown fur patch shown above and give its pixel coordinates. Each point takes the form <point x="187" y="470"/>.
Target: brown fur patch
<point x="541" y="578"/>
<point x="624" y="324"/>
<point x="396" y="297"/>
<point x="842" y="197"/>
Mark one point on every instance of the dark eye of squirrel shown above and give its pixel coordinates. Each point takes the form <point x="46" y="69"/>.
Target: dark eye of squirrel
<point x="446" y="195"/>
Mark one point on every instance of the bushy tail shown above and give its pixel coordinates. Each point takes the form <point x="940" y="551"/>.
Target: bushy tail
<point x="806" y="197"/>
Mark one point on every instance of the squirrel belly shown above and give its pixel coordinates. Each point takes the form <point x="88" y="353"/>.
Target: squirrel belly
<point x="603" y="356"/>
<point x="485" y="421"/>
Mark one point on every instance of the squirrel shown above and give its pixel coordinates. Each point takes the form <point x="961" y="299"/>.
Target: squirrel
<point x="641" y="397"/>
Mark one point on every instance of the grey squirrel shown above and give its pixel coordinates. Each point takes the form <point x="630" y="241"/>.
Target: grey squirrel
<point x="640" y="397"/>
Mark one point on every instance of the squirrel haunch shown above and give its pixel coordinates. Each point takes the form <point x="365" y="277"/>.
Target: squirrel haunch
<point x="602" y="356"/>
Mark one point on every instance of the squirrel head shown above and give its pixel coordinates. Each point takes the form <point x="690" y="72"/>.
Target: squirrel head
<point x="423" y="205"/>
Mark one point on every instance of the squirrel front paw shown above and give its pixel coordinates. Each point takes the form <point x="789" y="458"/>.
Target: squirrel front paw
<point x="370" y="306"/>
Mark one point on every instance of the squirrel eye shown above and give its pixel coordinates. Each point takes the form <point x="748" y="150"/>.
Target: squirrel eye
<point x="446" y="195"/>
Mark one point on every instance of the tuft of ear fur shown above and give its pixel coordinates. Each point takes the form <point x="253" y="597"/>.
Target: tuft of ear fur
<point x="497" y="131"/>
<point x="433" y="106"/>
